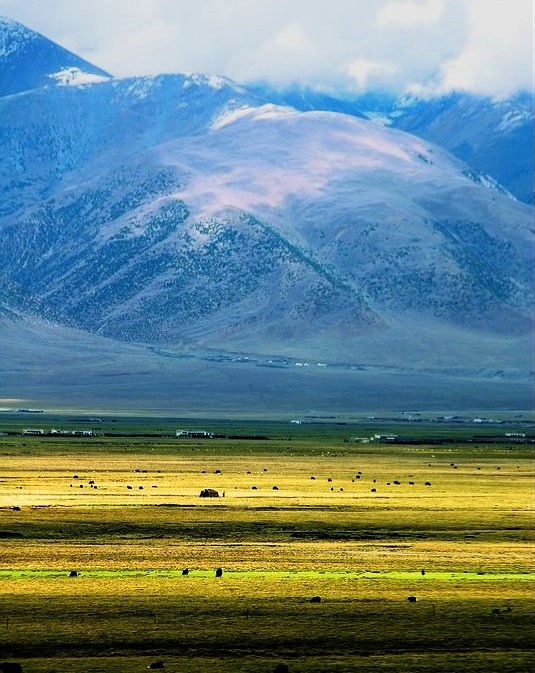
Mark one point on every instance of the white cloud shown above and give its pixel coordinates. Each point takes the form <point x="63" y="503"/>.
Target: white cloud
<point x="290" y="44"/>
<point x="479" y="45"/>
<point x="410" y="13"/>
<point x="369" y="74"/>
<point x="497" y="58"/>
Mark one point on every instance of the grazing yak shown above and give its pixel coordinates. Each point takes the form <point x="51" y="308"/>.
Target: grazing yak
<point x="219" y="572"/>
<point x="315" y="599"/>
<point x="281" y="668"/>
<point x="10" y="667"/>
<point x="156" y="664"/>
<point x="209" y="493"/>
<point x="73" y="573"/>
<point x="412" y="599"/>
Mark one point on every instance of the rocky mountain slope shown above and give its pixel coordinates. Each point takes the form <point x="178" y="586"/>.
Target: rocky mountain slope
<point x="188" y="212"/>
<point x="494" y="136"/>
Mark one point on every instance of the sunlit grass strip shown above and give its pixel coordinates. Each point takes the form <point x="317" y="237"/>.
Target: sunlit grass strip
<point x="273" y="574"/>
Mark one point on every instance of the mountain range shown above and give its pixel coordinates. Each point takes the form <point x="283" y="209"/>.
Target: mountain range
<point x="188" y="215"/>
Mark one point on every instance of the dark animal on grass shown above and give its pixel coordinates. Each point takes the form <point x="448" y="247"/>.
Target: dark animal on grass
<point x="16" y="508"/>
<point x="315" y="599"/>
<point x="412" y="599"/>
<point x="73" y="573"/>
<point x="129" y="488"/>
<point x="156" y="664"/>
<point x="209" y="493"/>
<point x="422" y="571"/>
<point x="185" y="571"/>
<point x="374" y="490"/>
<point x="140" y="488"/>
<point x="427" y="483"/>
<point x="275" y="488"/>
<point x="10" y="667"/>
<point x="281" y="668"/>
<point x="219" y="572"/>
<point x="496" y="611"/>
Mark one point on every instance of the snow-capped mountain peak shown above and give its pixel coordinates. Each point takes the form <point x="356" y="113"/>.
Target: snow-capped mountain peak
<point x="29" y="60"/>
<point x="13" y="36"/>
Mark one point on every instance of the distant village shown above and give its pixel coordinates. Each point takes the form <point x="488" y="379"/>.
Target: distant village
<point x="70" y="433"/>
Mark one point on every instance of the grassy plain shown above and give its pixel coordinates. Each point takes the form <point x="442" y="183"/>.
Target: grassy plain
<point x="322" y="532"/>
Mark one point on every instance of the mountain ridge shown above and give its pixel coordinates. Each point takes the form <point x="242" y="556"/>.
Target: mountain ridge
<point x="191" y="213"/>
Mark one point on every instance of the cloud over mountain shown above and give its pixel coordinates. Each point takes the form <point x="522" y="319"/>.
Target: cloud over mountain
<point x="481" y="46"/>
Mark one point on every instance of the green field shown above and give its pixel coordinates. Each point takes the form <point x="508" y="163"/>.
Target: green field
<point x="306" y="513"/>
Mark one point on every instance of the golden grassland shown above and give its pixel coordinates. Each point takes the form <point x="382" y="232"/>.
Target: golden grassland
<point x="322" y="532"/>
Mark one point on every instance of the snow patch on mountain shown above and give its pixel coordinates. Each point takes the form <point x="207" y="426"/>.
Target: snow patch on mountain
<point x="138" y="87"/>
<point x="267" y="111"/>
<point x="514" y="119"/>
<point x="378" y="118"/>
<point x="12" y="36"/>
<point x="75" y="76"/>
<point x="215" y="82"/>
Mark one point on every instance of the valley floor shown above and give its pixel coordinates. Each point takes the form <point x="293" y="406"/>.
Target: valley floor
<point x="321" y="544"/>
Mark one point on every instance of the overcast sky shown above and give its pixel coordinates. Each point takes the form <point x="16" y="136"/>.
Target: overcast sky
<point x="483" y="46"/>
